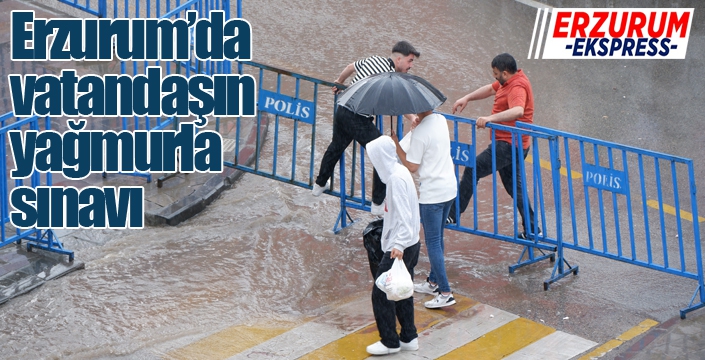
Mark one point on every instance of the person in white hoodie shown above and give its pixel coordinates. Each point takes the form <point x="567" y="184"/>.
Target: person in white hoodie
<point x="400" y="240"/>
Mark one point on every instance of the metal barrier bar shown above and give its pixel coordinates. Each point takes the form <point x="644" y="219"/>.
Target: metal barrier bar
<point x="87" y="8"/>
<point x="559" y="270"/>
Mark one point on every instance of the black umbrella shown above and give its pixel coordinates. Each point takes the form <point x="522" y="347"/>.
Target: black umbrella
<point x="391" y="93"/>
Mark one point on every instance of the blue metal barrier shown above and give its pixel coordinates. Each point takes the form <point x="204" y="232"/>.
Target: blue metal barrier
<point x="578" y="213"/>
<point x="618" y="207"/>
<point x="40" y="238"/>
<point x="293" y="101"/>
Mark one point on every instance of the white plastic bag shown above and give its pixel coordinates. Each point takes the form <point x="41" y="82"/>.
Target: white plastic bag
<point x="396" y="282"/>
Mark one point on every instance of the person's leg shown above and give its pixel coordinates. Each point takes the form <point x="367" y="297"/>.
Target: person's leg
<point x="405" y="308"/>
<point x="483" y="163"/>
<point x="508" y="181"/>
<point x="363" y="132"/>
<point x="379" y="189"/>
<point x="341" y="140"/>
<point x="384" y="309"/>
<point x="432" y="220"/>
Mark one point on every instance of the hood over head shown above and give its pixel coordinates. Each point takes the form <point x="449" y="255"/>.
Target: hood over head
<point x="383" y="154"/>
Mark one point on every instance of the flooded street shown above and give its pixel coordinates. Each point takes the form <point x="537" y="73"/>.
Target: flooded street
<point x="264" y="251"/>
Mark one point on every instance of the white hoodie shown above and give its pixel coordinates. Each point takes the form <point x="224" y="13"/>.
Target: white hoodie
<point x="401" y="210"/>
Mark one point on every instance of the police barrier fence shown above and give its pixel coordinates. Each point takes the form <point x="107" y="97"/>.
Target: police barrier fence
<point x="599" y="210"/>
<point x="617" y="205"/>
<point x="40" y="238"/>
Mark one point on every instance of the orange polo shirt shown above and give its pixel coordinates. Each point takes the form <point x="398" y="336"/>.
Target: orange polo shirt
<point x="515" y="92"/>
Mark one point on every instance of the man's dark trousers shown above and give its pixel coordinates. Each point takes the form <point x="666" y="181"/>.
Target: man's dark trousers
<point x="504" y="166"/>
<point x="349" y="126"/>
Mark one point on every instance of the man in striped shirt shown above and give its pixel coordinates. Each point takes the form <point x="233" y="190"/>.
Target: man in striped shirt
<point x="349" y="126"/>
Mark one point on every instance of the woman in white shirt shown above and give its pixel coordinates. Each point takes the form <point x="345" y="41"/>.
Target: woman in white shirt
<point x="428" y="154"/>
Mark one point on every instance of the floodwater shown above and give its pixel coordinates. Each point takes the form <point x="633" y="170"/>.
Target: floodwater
<point x="264" y="251"/>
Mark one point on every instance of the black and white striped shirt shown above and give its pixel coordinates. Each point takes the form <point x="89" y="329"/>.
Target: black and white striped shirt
<point x="372" y="65"/>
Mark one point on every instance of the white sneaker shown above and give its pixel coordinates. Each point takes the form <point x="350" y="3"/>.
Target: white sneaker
<point x="426" y="288"/>
<point x="379" y="349"/>
<point x="412" y="345"/>
<point x="377" y="209"/>
<point x="440" y="301"/>
<point x="318" y="190"/>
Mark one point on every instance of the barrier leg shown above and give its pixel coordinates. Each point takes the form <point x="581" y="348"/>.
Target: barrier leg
<point x="691" y="305"/>
<point x="343" y="215"/>
<point x="341" y="222"/>
<point x="559" y="271"/>
<point x="531" y="258"/>
<point x="48" y="241"/>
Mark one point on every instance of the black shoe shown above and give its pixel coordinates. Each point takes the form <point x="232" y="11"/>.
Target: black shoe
<point x="450" y="221"/>
<point x="525" y="236"/>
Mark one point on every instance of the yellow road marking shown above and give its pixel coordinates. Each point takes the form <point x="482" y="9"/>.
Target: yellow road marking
<point x="668" y="209"/>
<point x="228" y="342"/>
<point x="354" y="346"/>
<point x="502" y="341"/>
<point x="626" y="336"/>
<point x="547" y="165"/>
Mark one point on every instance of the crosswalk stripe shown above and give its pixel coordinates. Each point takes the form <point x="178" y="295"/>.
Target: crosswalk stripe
<point x="502" y="341"/>
<point x="555" y="346"/>
<point x="315" y="334"/>
<point x="230" y="341"/>
<point x="469" y="325"/>
<point x="353" y="346"/>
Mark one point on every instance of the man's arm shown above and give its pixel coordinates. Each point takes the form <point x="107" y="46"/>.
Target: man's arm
<point x="403" y="233"/>
<point x="402" y="156"/>
<point x="516" y="103"/>
<point x="481" y="93"/>
<point x="344" y="75"/>
<point x="506" y="115"/>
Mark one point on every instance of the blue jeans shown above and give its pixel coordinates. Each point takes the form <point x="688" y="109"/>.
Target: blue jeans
<point x="433" y="220"/>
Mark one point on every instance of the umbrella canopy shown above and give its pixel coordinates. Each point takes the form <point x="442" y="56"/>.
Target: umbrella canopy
<point x="391" y="93"/>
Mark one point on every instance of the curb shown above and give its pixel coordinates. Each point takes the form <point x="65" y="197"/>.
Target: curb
<point x="185" y="208"/>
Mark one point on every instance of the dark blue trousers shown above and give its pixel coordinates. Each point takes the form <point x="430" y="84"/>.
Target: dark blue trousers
<point x="504" y="165"/>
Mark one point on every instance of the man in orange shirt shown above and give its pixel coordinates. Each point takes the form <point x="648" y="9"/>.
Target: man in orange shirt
<point x="513" y="101"/>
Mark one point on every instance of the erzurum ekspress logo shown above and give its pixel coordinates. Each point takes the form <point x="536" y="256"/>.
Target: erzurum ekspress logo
<point x="597" y="33"/>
